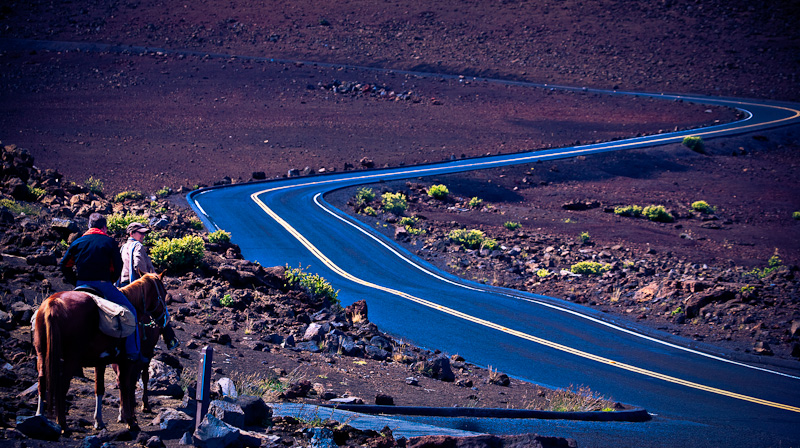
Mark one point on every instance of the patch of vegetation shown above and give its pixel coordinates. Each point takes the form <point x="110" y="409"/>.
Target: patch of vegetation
<point x="796" y="215"/>
<point x="695" y="143"/>
<point x="164" y="192"/>
<point x="585" y="237"/>
<point x="313" y="284"/>
<point x="36" y="193"/>
<point x="121" y="197"/>
<point x="226" y="300"/>
<point x="94" y="185"/>
<point x="407" y="221"/>
<point x="19" y="208"/>
<point x="489" y="244"/>
<point x="581" y="400"/>
<point x="369" y="211"/>
<point x="657" y="213"/>
<point x="118" y="223"/>
<point x="439" y="192"/>
<point x="471" y="239"/>
<point x="676" y="311"/>
<point x="395" y="203"/>
<point x="589" y="268"/>
<point x="195" y="223"/>
<point x="702" y="207"/>
<point x="364" y="196"/>
<point x="628" y="210"/>
<point x="511" y="225"/>
<point x="219" y="237"/>
<point x="476" y="202"/>
<point x="176" y="254"/>
<point x="773" y="265"/>
<point x="542" y="273"/>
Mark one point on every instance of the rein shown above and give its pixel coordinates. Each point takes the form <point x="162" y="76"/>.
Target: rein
<point x="164" y="315"/>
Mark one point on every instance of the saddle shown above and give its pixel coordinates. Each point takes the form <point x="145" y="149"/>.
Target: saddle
<point x="115" y="320"/>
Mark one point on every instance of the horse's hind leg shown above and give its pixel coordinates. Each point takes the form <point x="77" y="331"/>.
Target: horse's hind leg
<point x="99" y="392"/>
<point x="42" y="392"/>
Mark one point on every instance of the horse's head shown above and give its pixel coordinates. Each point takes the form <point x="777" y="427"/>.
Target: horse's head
<point x="153" y="295"/>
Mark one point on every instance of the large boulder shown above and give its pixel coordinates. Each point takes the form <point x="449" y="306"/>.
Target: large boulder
<point x="437" y="368"/>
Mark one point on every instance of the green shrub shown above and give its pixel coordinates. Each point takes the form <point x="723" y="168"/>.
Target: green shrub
<point x="166" y="191"/>
<point x="439" y="192"/>
<point x="489" y="244"/>
<point x="369" y="211"/>
<point x="471" y="239"/>
<point x="796" y="215"/>
<point x="313" y="284"/>
<point x="475" y="202"/>
<point x="94" y="185"/>
<point x="585" y="237"/>
<point x="219" y="237"/>
<point x="395" y="203"/>
<point x="36" y="193"/>
<point x="657" y="213"/>
<point x="511" y="225"/>
<point x="694" y="143"/>
<point x="226" y="301"/>
<point x="195" y="223"/>
<point x="121" y="197"/>
<point x="178" y="253"/>
<point x="364" y="195"/>
<point x="118" y="223"/>
<point x="414" y="231"/>
<point x="407" y="221"/>
<point x="702" y="207"/>
<point x="19" y="208"/>
<point x="589" y="268"/>
<point x="542" y="273"/>
<point x="628" y="210"/>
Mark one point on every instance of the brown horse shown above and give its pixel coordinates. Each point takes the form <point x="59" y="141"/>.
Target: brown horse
<point x="67" y="338"/>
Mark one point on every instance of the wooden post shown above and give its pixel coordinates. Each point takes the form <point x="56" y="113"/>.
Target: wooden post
<point x="203" y="384"/>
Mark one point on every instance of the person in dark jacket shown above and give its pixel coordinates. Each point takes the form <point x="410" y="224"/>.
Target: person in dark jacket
<point x="97" y="262"/>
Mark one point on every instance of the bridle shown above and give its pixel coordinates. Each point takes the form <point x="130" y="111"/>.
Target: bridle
<point x="162" y="319"/>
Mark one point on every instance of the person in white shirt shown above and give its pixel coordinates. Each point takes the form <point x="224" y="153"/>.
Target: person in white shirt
<point x="134" y="255"/>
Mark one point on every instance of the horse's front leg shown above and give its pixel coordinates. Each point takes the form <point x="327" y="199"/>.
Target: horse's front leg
<point x="99" y="392"/>
<point x="128" y="375"/>
<point x="145" y="380"/>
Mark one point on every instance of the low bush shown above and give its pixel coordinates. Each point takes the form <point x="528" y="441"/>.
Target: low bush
<point x="489" y="244"/>
<point x="395" y="203"/>
<point x="657" y="213"/>
<point x="585" y="237"/>
<point x="364" y="195"/>
<point x="694" y="143"/>
<point x="773" y="265"/>
<point x="226" y="300"/>
<point x="121" y="197"/>
<point x="313" y="284"/>
<point x="511" y="225"/>
<point x="628" y="210"/>
<point x="369" y="211"/>
<point x="475" y="202"/>
<point x="195" y="223"/>
<point x="439" y="192"/>
<point x="94" y="185"/>
<point x="166" y="191"/>
<point x="702" y="207"/>
<point x="796" y="215"/>
<point x="471" y="239"/>
<point x="542" y="273"/>
<point x="19" y="208"/>
<point x="219" y="237"/>
<point x="177" y="254"/>
<point x="36" y="193"/>
<point x="407" y="221"/>
<point x="117" y="223"/>
<point x="589" y="268"/>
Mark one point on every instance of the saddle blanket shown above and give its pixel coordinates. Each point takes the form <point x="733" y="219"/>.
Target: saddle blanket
<point x="115" y="320"/>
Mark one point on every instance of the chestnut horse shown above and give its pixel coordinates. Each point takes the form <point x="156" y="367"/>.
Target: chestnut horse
<point x="67" y="337"/>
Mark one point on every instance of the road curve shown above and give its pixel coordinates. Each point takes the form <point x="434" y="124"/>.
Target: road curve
<point x="698" y="397"/>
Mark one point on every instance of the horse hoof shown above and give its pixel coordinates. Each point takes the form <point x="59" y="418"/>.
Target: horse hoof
<point x="99" y="426"/>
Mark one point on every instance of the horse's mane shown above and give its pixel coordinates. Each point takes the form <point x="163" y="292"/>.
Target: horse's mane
<point x="136" y="291"/>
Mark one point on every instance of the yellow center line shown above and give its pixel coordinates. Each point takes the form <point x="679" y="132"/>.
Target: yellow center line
<point x="631" y="368"/>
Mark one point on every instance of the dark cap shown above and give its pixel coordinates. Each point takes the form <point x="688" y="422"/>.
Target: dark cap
<point x="137" y="227"/>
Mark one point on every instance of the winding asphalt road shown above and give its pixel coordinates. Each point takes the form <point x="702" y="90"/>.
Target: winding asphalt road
<point x="697" y="397"/>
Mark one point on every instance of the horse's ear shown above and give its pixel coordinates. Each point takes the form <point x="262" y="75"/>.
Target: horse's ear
<point x="140" y="273"/>
<point x="161" y="275"/>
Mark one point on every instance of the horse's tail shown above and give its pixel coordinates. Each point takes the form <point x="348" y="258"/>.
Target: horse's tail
<point x="53" y="355"/>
